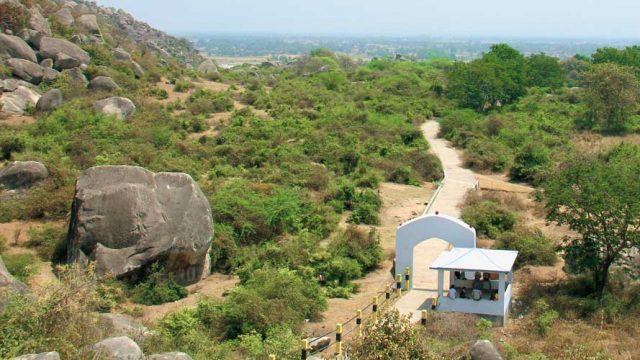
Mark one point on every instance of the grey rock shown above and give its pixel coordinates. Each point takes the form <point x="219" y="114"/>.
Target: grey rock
<point x="103" y="83"/>
<point x="170" y="217"/>
<point x="50" y="47"/>
<point x="121" y="54"/>
<point x="8" y="85"/>
<point x="35" y="39"/>
<point x="50" y="100"/>
<point x="80" y="39"/>
<point x="64" y="62"/>
<point x="484" y="350"/>
<point x="26" y="70"/>
<point x="208" y="67"/>
<point x="89" y="22"/>
<point x="117" y="348"/>
<point x="138" y="71"/>
<point x="64" y="16"/>
<point x="81" y="9"/>
<point x="319" y="343"/>
<point x="76" y="77"/>
<point x="70" y="4"/>
<point x="47" y="63"/>
<point x="44" y="356"/>
<point x="116" y="106"/>
<point x="18" y="100"/>
<point x="37" y="22"/>
<point x="123" y="325"/>
<point x="22" y="174"/>
<point x="14" y="47"/>
<point x="26" y="34"/>
<point x="9" y="285"/>
<point x="170" y="356"/>
<point x="50" y="75"/>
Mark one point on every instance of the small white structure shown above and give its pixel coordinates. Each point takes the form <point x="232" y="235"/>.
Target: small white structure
<point x="433" y="226"/>
<point x="488" y="289"/>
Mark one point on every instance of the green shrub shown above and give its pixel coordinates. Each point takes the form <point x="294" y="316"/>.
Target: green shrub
<point x="545" y="316"/>
<point x="280" y="341"/>
<point x="485" y="154"/>
<point x="22" y="266"/>
<point x="367" y="206"/>
<point x="532" y="246"/>
<point x="206" y="102"/>
<point x="158" y="93"/>
<point x="339" y="271"/>
<point x="489" y="218"/>
<point x="50" y="241"/>
<point x="484" y="328"/>
<point x="158" y="288"/>
<point x="361" y="245"/>
<point x="530" y="162"/>
<point x="3" y="244"/>
<point x="182" y="85"/>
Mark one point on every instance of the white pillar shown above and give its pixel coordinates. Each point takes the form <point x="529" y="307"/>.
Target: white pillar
<point x="440" y="282"/>
<point x="501" y="287"/>
<point x="510" y="278"/>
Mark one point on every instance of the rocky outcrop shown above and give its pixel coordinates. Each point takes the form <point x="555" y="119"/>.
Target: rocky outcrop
<point x="44" y="356"/>
<point x="64" y="16"/>
<point x="9" y="285"/>
<point x="138" y="71"/>
<point x="26" y="70"/>
<point x="103" y="83"/>
<point x="117" y="348"/>
<point x="50" y="101"/>
<point x="319" y="343"/>
<point x="22" y="174"/>
<point x="484" y="350"/>
<point x="170" y="356"/>
<point x="63" y="61"/>
<point x="123" y="325"/>
<point x="126" y="218"/>
<point x="14" y="47"/>
<point x="50" y="47"/>
<point x="116" y="106"/>
<point x="16" y="100"/>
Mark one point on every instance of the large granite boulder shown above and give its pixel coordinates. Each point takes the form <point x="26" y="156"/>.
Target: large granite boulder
<point x="121" y="54"/>
<point x="64" y="16"/>
<point x="170" y="356"/>
<point x="50" y="100"/>
<point x="138" y="71"/>
<point x="38" y="23"/>
<point x="484" y="350"/>
<point x="14" y="47"/>
<point x="103" y="83"/>
<point x="9" y="285"/>
<point x="208" y="68"/>
<point x="76" y="77"/>
<point x="43" y="356"/>
<point x="117" y="348"/>
<point x="22" y="174"/>
<point x="89" y="22"/>
<point x="26" y="70"/>
<point x="50" y="47"/>
<point x="125" y="218"/>
<point x="119" y="107"/>
<point x="17" y="100"/>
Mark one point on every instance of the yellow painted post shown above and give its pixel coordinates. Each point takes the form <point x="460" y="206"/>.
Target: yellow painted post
<point x="407" y="278"/>
<point x="272" y="357"/>
<point x="338" y="339"/>
<point x="399" y="285"/>
<point x="374" y="314"/>
<point x="359" y="322"/>
<point x="423" y="320"/>
<point x="305" y="349"/>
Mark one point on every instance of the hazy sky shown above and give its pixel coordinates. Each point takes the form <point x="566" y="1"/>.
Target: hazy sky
<point x="504" y="18"/>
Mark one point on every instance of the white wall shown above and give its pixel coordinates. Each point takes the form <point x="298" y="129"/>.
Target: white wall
<point x="412" y="233"/>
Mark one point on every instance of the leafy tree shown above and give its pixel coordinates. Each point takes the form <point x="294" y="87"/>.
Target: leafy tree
<point x="597" y="197"/>
<point x="629" y="56"/>
<point x="544" y="71"/>
<point x="612" y="94"/>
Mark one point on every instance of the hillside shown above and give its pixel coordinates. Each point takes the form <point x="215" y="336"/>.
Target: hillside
<point x="153" y="203"/>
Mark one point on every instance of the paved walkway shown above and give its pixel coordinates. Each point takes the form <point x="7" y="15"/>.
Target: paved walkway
<point x="457" y="182"/>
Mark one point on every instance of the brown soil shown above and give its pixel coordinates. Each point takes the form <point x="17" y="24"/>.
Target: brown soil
<point x="17" y="120"/>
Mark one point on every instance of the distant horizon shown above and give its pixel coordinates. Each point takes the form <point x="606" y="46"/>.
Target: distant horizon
<point x="544" y="19"/>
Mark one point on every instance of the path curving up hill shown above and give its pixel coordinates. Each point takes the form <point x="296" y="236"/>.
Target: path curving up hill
<point x="458" y="181"/>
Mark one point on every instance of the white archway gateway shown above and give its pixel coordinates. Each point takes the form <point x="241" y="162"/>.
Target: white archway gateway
<point x="454" y="231"/>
